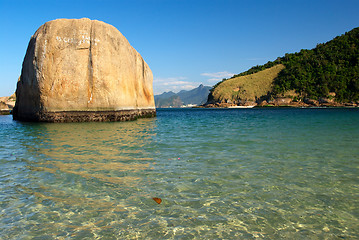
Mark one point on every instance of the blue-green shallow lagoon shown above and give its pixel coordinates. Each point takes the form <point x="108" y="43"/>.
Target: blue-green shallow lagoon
<point x="221" y="173"/>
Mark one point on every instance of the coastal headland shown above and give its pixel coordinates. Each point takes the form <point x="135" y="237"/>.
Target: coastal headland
<point x="326" y="76"/>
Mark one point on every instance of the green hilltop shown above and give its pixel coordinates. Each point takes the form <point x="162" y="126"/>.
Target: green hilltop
<point x="330" y="69"/>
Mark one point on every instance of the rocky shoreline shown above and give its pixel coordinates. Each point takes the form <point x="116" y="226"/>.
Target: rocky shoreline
<point x="280" y="102"/>
<point x="89" y="116"/>
<point x="7" y="104"/>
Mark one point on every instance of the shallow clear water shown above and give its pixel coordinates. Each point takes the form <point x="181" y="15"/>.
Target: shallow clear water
<point x="221" y="174"/>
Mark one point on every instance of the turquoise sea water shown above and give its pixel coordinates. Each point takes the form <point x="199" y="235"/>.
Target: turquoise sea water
<point x="221" y="174"/>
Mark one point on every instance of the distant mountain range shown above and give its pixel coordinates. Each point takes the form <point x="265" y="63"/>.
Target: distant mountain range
<point x="196" y="96"/>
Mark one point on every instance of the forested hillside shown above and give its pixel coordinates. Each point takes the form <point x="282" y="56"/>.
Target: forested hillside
<point x="332" y="67"/>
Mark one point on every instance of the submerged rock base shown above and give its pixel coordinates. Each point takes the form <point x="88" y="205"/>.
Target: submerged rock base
<point x="88" y="116"/>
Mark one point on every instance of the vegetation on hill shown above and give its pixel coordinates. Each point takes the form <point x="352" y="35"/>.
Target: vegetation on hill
<point x="248" y="87"/>
<point x="330" y="67"/>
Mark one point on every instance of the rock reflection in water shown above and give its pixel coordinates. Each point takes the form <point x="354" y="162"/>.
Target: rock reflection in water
<point x="103" y="151"/>
<point x="89" y="174"/>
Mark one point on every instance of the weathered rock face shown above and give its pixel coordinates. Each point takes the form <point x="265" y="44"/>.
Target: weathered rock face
<point x="280" y="101"/>
<point x="82" y="70"/>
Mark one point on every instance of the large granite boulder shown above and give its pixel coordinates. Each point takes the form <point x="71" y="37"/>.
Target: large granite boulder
<point x="82" y="70"/>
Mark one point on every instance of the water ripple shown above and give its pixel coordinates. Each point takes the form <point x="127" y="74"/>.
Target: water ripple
<point x="221" y="174"/>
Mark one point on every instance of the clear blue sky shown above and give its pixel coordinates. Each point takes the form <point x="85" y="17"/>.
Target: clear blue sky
<point x="185" y="42"/>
